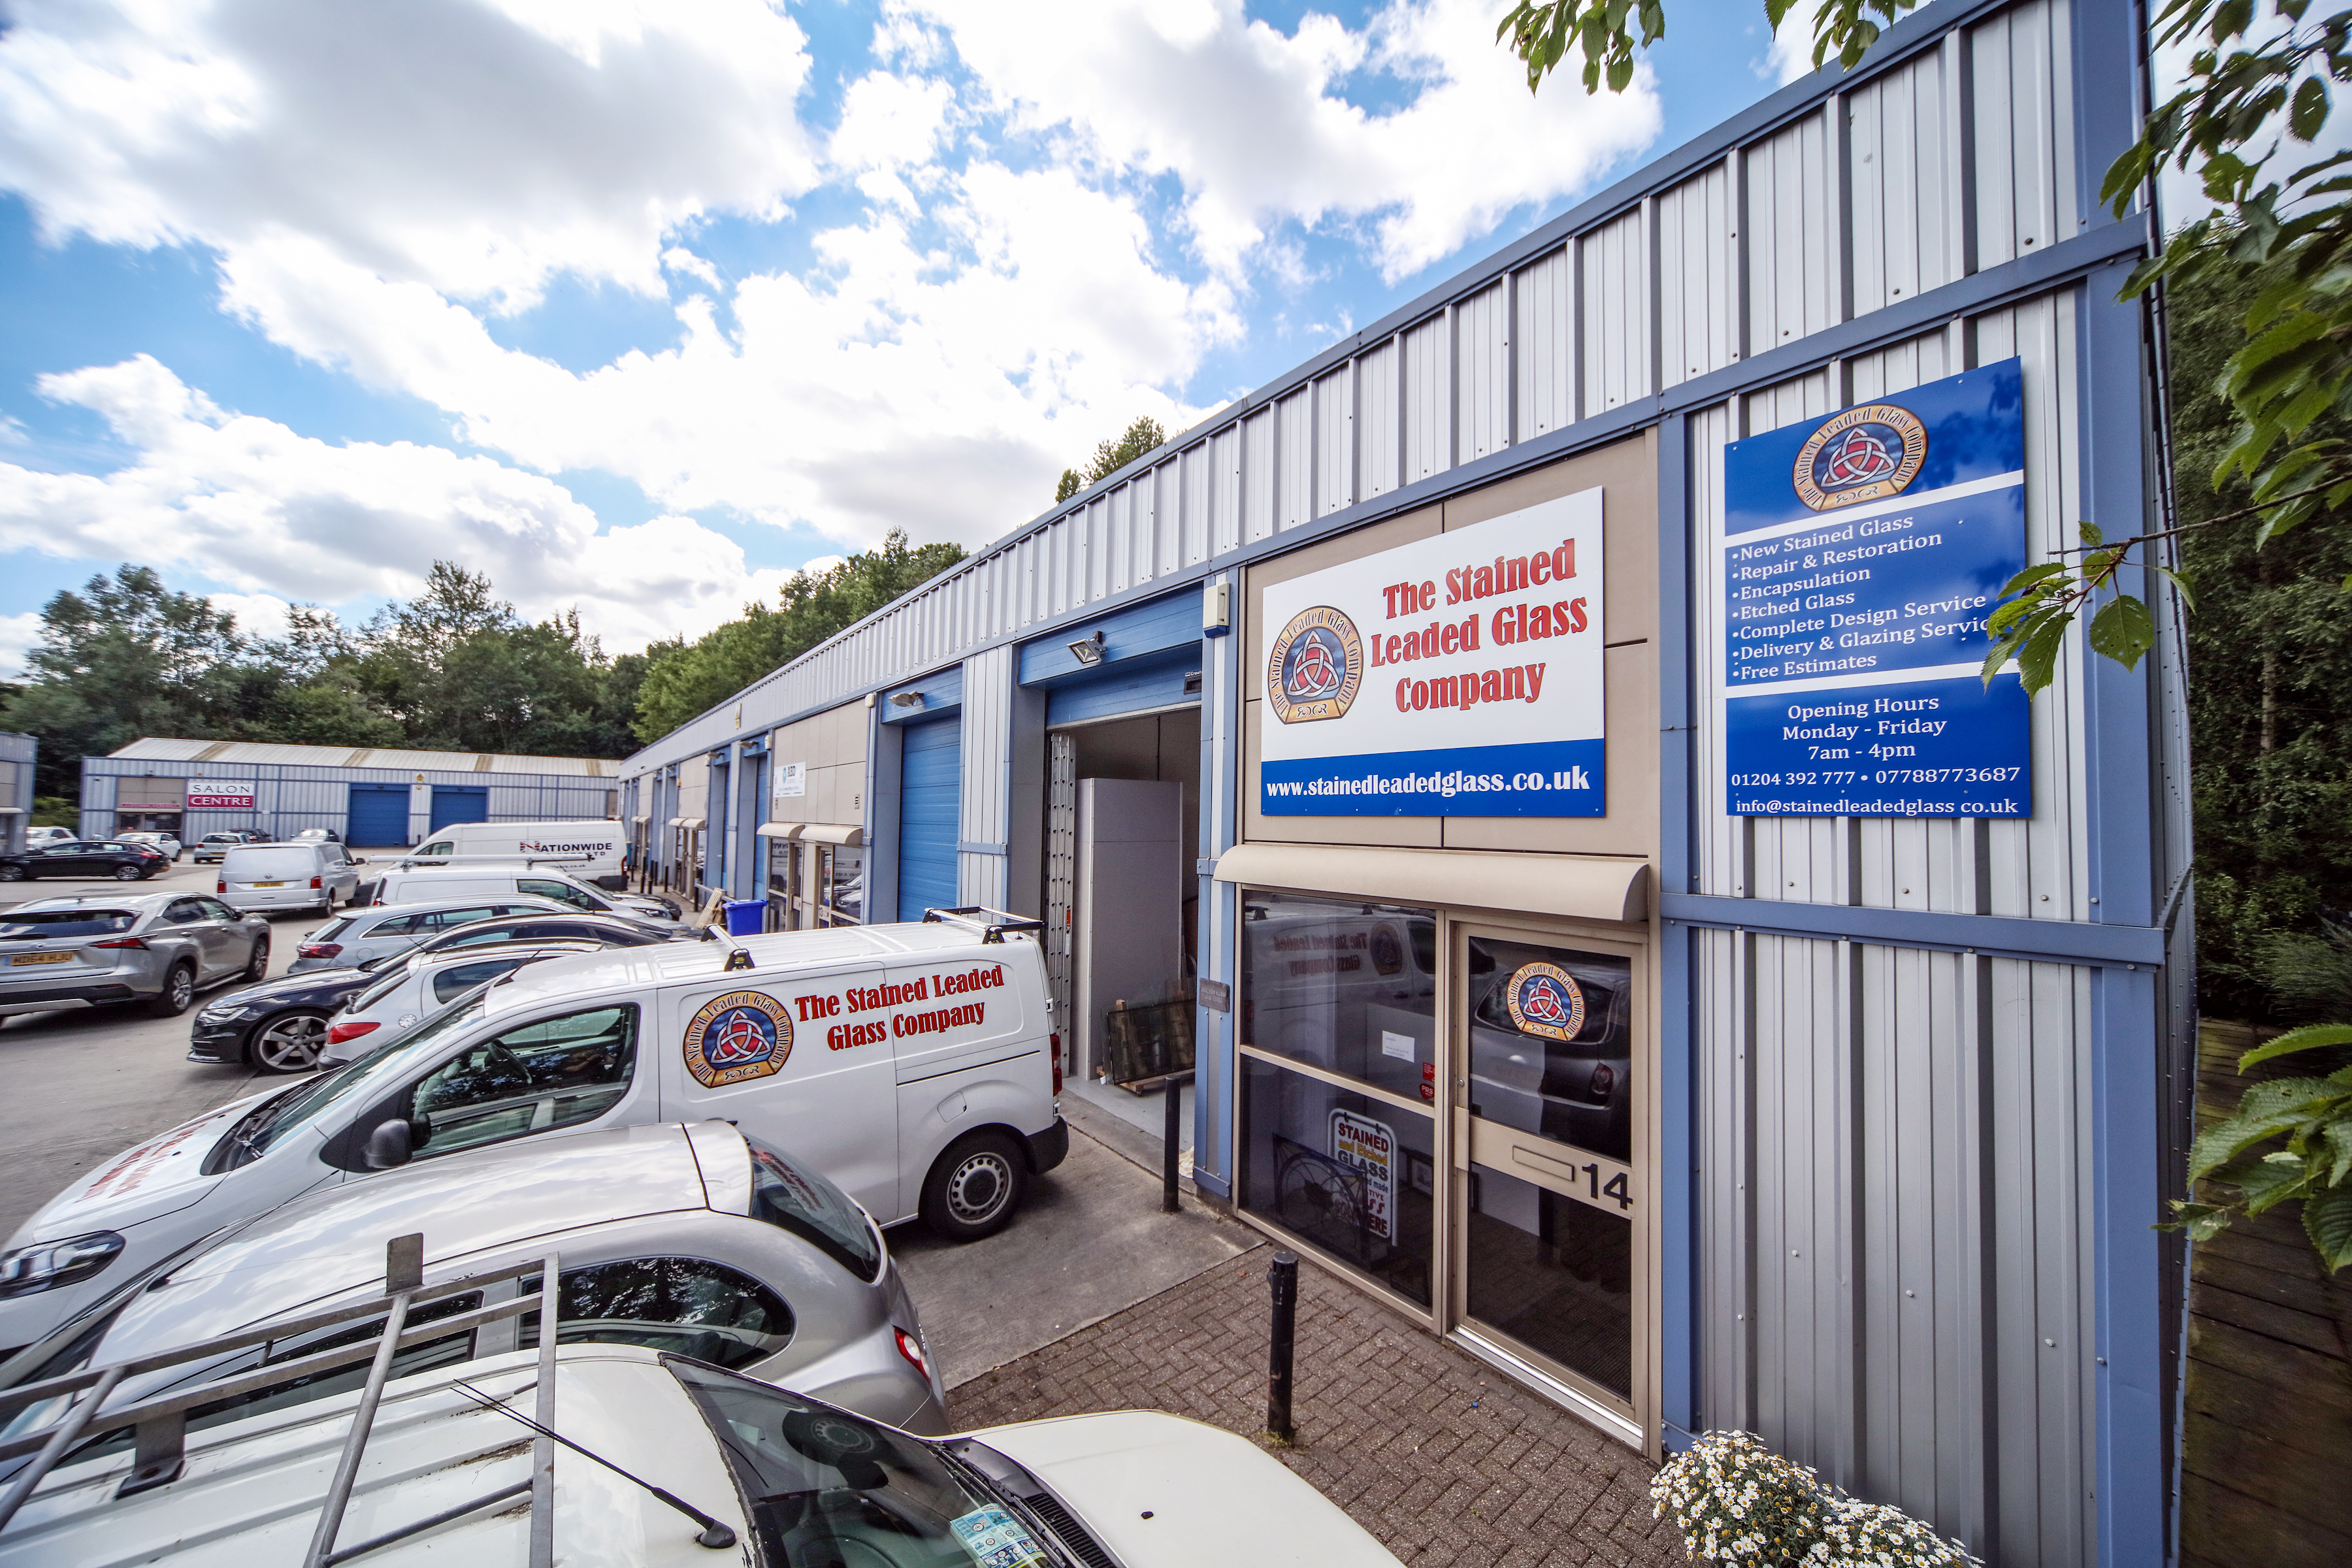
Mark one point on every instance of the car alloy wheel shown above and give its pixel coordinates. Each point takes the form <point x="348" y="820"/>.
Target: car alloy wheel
<point x="291" y="1042"/>
<point x="256" y="968"/>
<point x="12" y="873"/>
<point x="179" y="990"/>
<point x="128" y="873"/>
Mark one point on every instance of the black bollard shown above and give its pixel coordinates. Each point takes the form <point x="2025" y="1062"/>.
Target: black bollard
<point x="1175" y="1093"/>
<point x="1282" y="1275"/>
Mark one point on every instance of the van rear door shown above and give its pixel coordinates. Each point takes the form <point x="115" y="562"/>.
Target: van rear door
<point x="794" y="1061"/>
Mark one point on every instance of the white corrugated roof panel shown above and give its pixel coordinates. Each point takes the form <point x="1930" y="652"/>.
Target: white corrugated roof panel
<point x="230" y="754"/>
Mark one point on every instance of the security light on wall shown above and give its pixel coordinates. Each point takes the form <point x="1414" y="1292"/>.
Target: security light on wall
<point x="1089" y="650"/>
<point x="905" y="700"/>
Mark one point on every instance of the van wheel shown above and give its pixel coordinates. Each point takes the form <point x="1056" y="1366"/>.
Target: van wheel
<point x="974" y="1187"/>
<point x="179" y="990"/>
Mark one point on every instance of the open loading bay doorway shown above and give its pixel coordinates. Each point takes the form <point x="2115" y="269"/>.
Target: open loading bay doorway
<point x="1123" y="812"/>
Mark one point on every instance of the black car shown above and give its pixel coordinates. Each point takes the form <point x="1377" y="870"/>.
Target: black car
<point x="280" y="1025"/>
<point x="85" y="857"/>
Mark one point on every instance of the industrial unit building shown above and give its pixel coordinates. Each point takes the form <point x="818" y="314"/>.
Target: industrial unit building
<point x="375" y="798"/>
<point x="17" y="755"/>
<point x="1532" y="756"/>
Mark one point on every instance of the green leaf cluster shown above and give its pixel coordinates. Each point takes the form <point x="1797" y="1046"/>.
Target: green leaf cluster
<point x="2313" y="1116"/>
<point x="683" y="680"/>
<point x="1144" y="434"/>
<point x="1543" y="33"/>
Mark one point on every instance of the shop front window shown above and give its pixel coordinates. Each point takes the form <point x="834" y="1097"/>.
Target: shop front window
<point x="1347" y="988"/>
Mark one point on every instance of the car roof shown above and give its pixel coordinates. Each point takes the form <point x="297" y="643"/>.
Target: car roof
<point x="137" y="902"/>
<point x="332" y="1240"/>
<point x="538" y="906"/>
<point x="558" y="945"/>
<point x="776" y="952"/>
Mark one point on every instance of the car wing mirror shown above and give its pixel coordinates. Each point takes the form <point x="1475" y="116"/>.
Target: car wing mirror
<point x="389" y="1145"/>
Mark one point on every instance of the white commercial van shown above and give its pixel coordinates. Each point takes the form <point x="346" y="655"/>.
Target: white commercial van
<point x="309" y="875"/>
<point x="914" y="1065"/>
<point x="592" y="851"/>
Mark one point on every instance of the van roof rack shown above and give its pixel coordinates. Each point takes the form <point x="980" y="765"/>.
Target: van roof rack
<point x="992" y="924"/>
<point x="160" y="1423"/>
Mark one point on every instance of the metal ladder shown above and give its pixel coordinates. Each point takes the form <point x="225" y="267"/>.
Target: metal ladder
<point x="160" y="1425"/>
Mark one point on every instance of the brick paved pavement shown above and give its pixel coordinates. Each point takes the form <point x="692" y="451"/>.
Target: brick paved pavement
<point x="1445" y="1460"/>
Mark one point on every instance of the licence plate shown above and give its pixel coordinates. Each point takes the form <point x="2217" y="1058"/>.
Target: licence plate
<point x="265" y="884"/>
<point x="16" y="958"/>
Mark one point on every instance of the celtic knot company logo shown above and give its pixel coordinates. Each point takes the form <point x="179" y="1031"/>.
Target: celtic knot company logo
<point x="1316" y="667"/>
<point x="1864" y="454"/>
<point x="741" y="1035"/>
<point x="1544" y="999"/>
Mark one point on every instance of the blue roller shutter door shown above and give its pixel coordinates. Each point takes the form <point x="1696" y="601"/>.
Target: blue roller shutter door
<point x="930" y="776"/>
<point x="378" y="817"/>
<point x="459" y="803"/>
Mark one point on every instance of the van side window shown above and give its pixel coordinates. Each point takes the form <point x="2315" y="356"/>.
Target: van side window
<point x="444" y="847"/>
<point x="555" y="1073"/>
<point x="683" y="1305"/>
<point x="564" y="891"/>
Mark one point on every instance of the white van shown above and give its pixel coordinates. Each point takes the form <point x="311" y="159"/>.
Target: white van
<point x="396" y="886"/>
<point x="592" y="851"/>
<point x="913" y="1065"/>
<point x="309" y="875"/>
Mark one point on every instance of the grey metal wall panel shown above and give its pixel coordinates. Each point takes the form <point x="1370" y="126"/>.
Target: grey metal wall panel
<point x="1224" y="485"/>
<point x="1482" y="377"/>
<point x="1698" y="305"/>
<point x="1615" y="313"/>
<point x="1900" y="171"/>
<point x="1293" y="459"/>
<point x="1793" y="250"/>
<point x="1544" y="342"/>
<point x="1379" y="419"/>
<point x="1724" y="1124"/>
<point x="2025" y="133"/>
<point x="1261" y="476"/>
<point x="1428" y="398"/>
<point x="984" y="813"/>
<point x="1197" y="472"/>
<point x="1335" y="440"/>
<point x="1803" y="1202"/>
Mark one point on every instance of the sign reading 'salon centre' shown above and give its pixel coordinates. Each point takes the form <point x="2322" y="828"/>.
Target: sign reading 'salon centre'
<point x="1456" y="676"/>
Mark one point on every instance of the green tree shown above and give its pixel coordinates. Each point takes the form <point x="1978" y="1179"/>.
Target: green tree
<point x="1110" y="456"/>
<point x="681" y="680"/>
<point x="125" y="657"/>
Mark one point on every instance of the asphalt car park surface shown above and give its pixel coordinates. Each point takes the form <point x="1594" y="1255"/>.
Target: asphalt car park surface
<point x="81" y="1083"/>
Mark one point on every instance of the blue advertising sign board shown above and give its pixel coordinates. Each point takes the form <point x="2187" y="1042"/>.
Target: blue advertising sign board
<point x="1861" y="555"/>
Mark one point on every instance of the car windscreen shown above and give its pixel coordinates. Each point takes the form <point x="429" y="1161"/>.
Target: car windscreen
<point x="789" y="1195"/>
<point x="253" y="1137"/>
<point x="33" y="925"/>
<point x="825" y="1486"/>
<point x="270" y="862"/>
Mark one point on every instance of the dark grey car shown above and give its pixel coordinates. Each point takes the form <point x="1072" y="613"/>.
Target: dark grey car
<point x="383" y="930"/>
<point x="94" y="949"/>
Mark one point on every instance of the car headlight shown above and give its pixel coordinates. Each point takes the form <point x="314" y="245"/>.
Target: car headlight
<point x="50" y="1263"/>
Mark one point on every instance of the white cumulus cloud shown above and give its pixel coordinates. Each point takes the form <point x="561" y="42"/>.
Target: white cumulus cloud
<point x="285" y="517"/>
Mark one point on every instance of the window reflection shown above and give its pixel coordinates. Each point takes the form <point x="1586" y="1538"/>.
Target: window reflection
<point x="1346" y="985"/>
<point x="1560" y="1066"/>
<point x="1555" y="1274"/>
<point x="1351" y="1174"/>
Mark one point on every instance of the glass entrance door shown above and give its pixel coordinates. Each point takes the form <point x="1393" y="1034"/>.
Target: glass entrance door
<point x="1548" y="1199"/>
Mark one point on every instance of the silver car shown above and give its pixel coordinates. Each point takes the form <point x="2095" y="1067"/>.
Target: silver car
<point x="164" y="842"/>
<point x="353" y="939"/>
<point x="686" y="1239"/>
<point x="90" y="950"/>
<point x="421" y="984"/>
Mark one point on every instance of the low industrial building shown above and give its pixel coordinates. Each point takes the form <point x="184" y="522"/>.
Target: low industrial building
<point x="17" y="755"/>
<point x="375" y="797"/>
<point x="1530" y="761"/>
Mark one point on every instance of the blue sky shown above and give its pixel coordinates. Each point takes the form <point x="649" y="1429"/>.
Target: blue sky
<point x="638" y="307"/>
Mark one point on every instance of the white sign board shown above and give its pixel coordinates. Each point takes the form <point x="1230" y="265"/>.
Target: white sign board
<point x="220" y="795"/>
<point x="1362" y="1144"/>
<point x="791" y="779"/>
<point x="1458" y="676"/>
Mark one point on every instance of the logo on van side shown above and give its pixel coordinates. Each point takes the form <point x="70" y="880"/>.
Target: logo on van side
<point x="1544" y="999"/>
<point x="741" y="1035"/>
<point x="1316" y="667"/>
